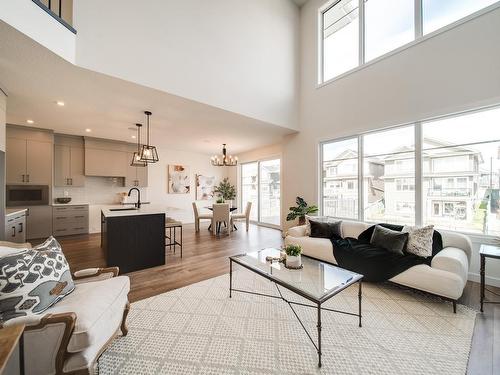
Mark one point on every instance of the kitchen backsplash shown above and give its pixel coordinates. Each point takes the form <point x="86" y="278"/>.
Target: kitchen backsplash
<point x="97" y="190"/>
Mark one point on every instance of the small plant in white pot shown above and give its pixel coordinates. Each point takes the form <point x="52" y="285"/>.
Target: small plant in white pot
<point x="293" y="256"/>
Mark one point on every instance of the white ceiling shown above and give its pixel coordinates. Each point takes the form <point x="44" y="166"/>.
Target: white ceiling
<point x="300" y="2"/>
<point x="34" y="79"/>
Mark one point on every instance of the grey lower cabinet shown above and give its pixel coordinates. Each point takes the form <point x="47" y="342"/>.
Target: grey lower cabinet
<point x="15" y="227"/>
<point x="69" y="220"/>
<point x="38" y="222"/>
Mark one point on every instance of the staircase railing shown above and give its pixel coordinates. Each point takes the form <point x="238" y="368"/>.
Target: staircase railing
<point x="60" y="10"/>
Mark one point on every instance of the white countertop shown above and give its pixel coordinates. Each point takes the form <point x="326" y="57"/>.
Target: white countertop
<point x="71" y="204"/>
<point x="15" y="211"/>
<point x="144" y="210"/>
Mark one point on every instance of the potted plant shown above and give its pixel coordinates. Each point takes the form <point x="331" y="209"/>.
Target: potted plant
<point x="301" y="210"/>
<point x="293" y="258"/>
<point x="226" y="191"/>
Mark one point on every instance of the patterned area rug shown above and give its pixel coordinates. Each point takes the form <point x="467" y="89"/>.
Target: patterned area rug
<point x="199" y="330"/>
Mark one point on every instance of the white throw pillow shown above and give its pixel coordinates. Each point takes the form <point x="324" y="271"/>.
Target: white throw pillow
<point x="6" y="251"/>
<point x="419" y="240"/>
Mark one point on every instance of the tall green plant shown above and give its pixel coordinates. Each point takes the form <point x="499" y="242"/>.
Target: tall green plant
<point x="226" y="190"/>
<point x="301" y="210"/>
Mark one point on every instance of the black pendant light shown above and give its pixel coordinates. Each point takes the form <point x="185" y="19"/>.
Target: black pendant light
<point x="136" y="159"/>
<point x="148" y="153"/>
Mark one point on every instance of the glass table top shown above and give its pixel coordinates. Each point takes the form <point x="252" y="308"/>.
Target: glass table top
<point x="317" y="280"/>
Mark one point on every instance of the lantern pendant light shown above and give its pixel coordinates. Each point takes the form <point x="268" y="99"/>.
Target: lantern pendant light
<point x="136" y="159"/>
<point x="148" y="153"/>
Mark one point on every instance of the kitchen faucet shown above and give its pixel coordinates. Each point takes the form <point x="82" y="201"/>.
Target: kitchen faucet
<point x="138" y="204"/>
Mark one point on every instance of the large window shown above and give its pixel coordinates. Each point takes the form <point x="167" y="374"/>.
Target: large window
<point x="340" y="38"/>
<point x="340" y="178"/>
<point x="260" y="184"/>
<point x="250" y="187"/>
<point x="389" y="176"/>
<point x="454" y="185"/>
<point x="356" y="31"/>
<point x="439" y="13"/>
<point x="388" y="25"/>
<point x="461" y="172"/>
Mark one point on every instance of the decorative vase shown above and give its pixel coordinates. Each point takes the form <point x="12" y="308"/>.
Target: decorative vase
<point x="302" y="220"/>
<point x="293" y="261"/>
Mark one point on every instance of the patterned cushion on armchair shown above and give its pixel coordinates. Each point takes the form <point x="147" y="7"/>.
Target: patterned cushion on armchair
<point x="33" y="280"/>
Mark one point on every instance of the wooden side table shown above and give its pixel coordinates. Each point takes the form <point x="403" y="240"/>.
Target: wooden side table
<point x="487" y="251"/>
<point x="9" y="338"/>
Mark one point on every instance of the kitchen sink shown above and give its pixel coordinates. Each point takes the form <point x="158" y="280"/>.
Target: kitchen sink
<point x="123" y="209"/>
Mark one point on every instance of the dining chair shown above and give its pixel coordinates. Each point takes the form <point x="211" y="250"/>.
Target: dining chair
<point x="198" y="217"/>
<point x="221" y="215"/>
<point x="244" y="215"/>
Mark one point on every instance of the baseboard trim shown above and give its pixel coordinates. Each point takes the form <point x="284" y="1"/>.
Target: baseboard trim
<point x="492" y="281"/>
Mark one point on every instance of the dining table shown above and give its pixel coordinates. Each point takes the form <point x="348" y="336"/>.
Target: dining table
<point x="231" y="209"/>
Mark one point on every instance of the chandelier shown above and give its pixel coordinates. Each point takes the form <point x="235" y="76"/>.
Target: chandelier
<point x="148" y="152"/>
<point x="224" y="160"/>
<point x="136" y="159"/>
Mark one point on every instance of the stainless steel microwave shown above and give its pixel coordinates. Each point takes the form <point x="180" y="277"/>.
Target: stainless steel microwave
<point x="27" y="195"/>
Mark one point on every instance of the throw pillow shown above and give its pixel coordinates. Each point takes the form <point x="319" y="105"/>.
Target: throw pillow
<point x="33" y="280"/>
<point x="419" y="240"/>
<point x="389" y="239"/>
<point x="367" y="234"/>
<point x="325" y="230"/>
<point x="318" y="219"/>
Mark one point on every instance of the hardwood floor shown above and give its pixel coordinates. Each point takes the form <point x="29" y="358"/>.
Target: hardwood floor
<point x="205" y="256"/>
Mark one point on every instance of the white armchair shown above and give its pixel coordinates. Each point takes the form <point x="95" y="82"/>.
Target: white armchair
<point x="71" y="335"/>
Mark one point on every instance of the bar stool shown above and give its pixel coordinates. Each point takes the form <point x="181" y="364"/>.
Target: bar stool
<point x="173" y="240"/>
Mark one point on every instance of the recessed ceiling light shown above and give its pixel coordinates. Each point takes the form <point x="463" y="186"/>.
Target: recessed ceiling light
<point x="88" y="130"/>
<point x="60" y="103"/>
<point x="134" y="137"/>
<point x="30" y="121"/>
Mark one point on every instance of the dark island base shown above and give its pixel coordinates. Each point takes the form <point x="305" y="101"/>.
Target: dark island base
<point x="133" y="242"/>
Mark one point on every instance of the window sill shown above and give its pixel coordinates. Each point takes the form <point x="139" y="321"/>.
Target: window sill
<point x="421" y="39"/>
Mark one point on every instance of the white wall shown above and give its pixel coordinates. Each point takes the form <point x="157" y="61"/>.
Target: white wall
<point x="180" y="204"/>
<point x="31" y="20"/>
<point x="3" y="119"/>
<point x="238" y="55"/>
<point x="453" y="71"/>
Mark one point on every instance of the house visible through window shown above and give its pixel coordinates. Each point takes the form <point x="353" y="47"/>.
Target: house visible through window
<point x="459" y="174"/>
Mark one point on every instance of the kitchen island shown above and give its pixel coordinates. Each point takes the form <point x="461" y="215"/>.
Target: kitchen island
<point x="133" y="238"/>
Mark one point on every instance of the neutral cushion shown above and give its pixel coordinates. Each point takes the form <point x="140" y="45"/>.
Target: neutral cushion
<point x="298" y="231"/>
<point x="319" y="248"/>
<point x="453" y="260"/>
<point x="33" y="280"/>
<point x="419" y="240"/>
<point x="353" y="228"/>
<point x="432" y="280"/>
<point x="98" y="306"/>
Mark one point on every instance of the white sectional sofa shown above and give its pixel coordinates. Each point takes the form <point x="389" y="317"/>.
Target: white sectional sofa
<point x="445" y="277"/>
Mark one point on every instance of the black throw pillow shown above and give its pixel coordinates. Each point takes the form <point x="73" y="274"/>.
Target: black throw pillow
<point x="391" y="240"/>
<point x="367" y="234"/>
<point x="325" y="230"/>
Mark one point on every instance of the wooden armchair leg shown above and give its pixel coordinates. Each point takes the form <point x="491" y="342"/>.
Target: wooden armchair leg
<point x="123" y="326"/>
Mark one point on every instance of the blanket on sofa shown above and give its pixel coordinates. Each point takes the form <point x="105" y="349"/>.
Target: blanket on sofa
<point x="375" y="263"/>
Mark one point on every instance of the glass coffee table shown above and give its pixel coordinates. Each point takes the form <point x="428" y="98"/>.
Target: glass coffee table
<point x="316" y="281"/>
